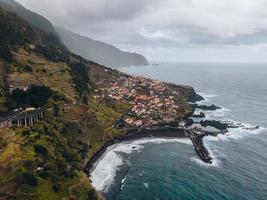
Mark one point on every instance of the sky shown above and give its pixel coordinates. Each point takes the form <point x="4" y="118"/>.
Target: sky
<point x="168" y="30"/>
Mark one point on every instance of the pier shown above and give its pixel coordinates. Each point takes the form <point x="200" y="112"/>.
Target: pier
<point x="197" y="140"/>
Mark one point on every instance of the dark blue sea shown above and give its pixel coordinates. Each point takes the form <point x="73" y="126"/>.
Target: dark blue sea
<point x="169" y="169"/>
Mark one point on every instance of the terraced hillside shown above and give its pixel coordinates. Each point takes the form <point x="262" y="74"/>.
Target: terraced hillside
<point x="47" y="160"/>
<point x="44" y="72"/>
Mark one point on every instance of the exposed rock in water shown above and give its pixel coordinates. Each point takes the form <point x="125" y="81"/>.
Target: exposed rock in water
<point x="205" y="107"/>
<point x="222" y="125"/>
<point x="251" y="128"/>
<point x="200" y="115"/>
<point x="216" y="124"/>
<point x="189" y="122"/>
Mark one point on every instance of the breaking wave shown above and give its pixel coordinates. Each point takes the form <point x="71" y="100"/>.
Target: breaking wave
<point x="206" y="97"/>
<point x="246" y="130"/>
<point x="105" y="170"/>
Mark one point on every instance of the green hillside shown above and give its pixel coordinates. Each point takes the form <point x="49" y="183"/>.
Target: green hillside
<point x="31" y="17"/>
<point x="58" y="145"/>
<point x="47" y="160"/>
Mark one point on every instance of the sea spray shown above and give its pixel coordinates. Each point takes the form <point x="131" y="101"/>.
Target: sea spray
<point x="104" y="172"/>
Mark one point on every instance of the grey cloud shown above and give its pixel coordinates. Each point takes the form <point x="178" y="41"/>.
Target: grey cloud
<point x="155" y="25"/>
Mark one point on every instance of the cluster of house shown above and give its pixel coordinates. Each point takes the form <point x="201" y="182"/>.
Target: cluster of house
<point x="14" y="82"/>
<point x="153" y="103"/>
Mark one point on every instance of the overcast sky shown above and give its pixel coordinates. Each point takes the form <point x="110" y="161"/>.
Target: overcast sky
<point x="168" y="30"/>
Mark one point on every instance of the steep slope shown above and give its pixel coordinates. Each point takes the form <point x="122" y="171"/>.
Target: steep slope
<point x="96" y="51"/>
<point x="33" y="18"/>
<point x="47" y="160"/>
<point x="99" y="52"/>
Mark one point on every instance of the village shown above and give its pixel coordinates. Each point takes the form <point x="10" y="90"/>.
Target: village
<point x="153" y="103"/>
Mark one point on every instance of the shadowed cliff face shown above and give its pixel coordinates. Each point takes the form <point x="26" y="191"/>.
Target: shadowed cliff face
<point x="99" y="52"/>
<point x="33" y="18"/>
<point x="13" y="32"/>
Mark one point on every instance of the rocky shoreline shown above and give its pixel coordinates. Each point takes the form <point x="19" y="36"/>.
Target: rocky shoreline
<point x="136" y="134"/>
<point x="163" y="131"/>
<point x="195" y="134"/>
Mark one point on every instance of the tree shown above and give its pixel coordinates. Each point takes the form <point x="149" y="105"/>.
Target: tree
<point x="36" y="96"/>
<point x="39" y="149"/>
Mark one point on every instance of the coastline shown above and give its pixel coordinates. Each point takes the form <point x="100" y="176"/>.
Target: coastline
<point x="163" y="131"/>
<point x="135" y="135"/>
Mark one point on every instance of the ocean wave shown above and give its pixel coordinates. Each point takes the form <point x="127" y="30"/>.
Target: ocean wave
<point x="197" y="160"/>
<point x="122" y="183"/>
<point x="213" y="154"/>
<point x="146" y="185"/>
<point x="236" y="133"/>
<point x="233" y="134"/>
<point x="206" y="97"/>
<point x="219" y="114"/>
<point x="223" y="115"/>
<point x="106" y="168"/>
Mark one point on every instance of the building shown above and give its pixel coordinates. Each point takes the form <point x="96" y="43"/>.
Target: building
<point x="14" y="81"/>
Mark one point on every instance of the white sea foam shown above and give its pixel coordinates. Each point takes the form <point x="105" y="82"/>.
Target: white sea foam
<point x="146" y="185"/>
<point x="105" y="170"/>
<point x="122" y="182"/>
<point x="213" y="154"/>
<point x="216" y="114"/>
<point x="246" y="130"/>
<point x="232" y="134"/>
<point x="206" y="97"/>
<point x="236" y="133"/>
<point x="197" y="160"/>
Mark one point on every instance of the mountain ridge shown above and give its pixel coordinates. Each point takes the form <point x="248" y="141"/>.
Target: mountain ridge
<point x="93" y="50"/>
<point x="32" y="17"/>
<point x="99" y="52"/>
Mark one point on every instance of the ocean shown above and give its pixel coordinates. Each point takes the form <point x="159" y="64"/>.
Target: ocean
<point x="169" y="169"/>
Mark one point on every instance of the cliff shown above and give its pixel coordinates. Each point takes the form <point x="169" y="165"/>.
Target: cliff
<point x="99" y="52"/>
<point x="47" y="160"/>
<point x="33" y="18"/>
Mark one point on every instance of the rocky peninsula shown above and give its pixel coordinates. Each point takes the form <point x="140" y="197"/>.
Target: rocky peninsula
<point x="157" y="110"/>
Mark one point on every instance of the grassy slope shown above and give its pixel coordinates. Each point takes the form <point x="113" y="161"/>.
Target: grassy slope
<point x="64" y="136"/>
<point x="66" y="145"/>
<point x="47" y="161"/>
<point x="2" y="86"/>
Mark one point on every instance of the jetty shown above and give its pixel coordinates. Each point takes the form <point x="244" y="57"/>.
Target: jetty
<point x="197" y="140"/>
